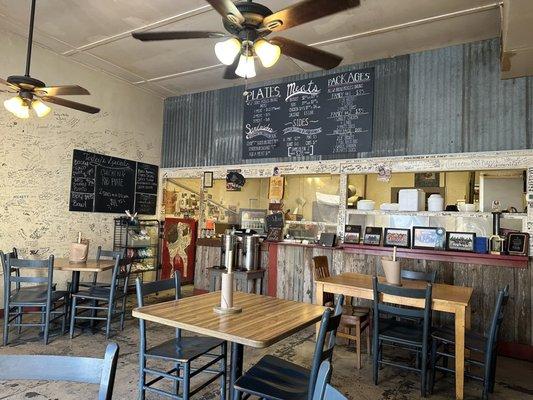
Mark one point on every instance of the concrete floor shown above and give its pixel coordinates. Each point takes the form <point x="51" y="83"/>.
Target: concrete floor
<point x="513" y="380"/>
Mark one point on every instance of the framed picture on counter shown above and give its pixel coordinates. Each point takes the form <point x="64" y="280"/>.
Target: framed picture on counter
<point x="372" y="236"/>
<point x="396" y="237"/>
<point x="208" y="179"/>
<point x="428" y="238"/>
<point x="518" y="243"/>
<point x="460" y="241"/>
<point x="352" y="234"/>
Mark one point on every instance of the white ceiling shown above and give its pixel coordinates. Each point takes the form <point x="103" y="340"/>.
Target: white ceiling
<point x="97" y="33"/>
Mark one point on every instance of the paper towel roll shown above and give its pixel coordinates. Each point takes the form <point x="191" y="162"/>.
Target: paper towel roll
<point x="226" y="293"/>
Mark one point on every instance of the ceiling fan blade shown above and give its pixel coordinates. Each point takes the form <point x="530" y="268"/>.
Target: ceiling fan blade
<point x="305" y="11"/>
<point x="9" y="85"/>
<point x="229" y="72"/>
<point x="66" y="90"/>
<point x="228" y="10"/>
<point x="306" y="53"/>
<point x="70" y="104"/>
<point x="151" y="36"/>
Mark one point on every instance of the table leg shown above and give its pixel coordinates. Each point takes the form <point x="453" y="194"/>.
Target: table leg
<point x="237" y="352"/>
<point x="460" y="322"/>
<point x="319" y="294"/>
<point x="75" y="282"/>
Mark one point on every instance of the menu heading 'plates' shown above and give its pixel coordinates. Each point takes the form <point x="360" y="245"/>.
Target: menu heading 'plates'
<point x="325" y="115"/>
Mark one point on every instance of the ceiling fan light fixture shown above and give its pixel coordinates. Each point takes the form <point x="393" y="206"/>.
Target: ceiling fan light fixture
<point x="41" y="109"/>
<point x="227" y="50"/>
<point x="267" y="52"/>
<point x="246" y="67"/>
<point x="18" y="107"/>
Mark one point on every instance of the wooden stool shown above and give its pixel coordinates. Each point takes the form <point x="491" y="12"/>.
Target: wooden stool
<point x="357" y="318"/>
<point x="250" y="281"/>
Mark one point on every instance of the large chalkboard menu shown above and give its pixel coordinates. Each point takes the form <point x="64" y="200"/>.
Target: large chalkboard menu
<point x="107" y="184"/>
<point x="324" y="115"/>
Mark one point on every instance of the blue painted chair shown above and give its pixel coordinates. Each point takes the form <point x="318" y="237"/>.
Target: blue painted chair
<point x="477" y="344"/>
<point x="275" y="378"/>
<point x="21" y="300"/>
<point x="180" y="351"/>
<point x="86" y="303"/>
<point x="64" y="368"/>
<point x="323" y="390"/>
<point x="400" y="331"/>
<point x="428" y="277"/>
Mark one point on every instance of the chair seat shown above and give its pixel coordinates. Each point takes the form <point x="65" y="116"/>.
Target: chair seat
<point x="400" y="332"/>
<point x="185" y="348"/>
<point x="24" y="297"/>
<point x="353" y="314"/>
<point x="276" y="379"/>
<point x="95" y="293"/>
<point x="473" y="341"/>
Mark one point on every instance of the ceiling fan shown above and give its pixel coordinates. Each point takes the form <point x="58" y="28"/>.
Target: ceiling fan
<point x="248" y="24"/>
<point x="33" y="93"/>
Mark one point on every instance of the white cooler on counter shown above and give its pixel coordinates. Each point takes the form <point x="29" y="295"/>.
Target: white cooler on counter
<point x="412" y="200"/>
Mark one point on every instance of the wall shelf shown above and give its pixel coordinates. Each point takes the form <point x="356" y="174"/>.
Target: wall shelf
<point x="477" y="214"/>
<point x="441" y="255"/>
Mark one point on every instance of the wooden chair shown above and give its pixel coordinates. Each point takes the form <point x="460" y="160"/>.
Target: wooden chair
<point x="180" y="351"/>
<point x="63" y="368"/>
<point x="484" y="345"/>
<point x="323" y="390"/>
<point x="399" y="333"/>
<point x="354" y="318"/>
<point x="89" y="301"/>
<point x="23" y="300"/>
<point x="274" y="378"/>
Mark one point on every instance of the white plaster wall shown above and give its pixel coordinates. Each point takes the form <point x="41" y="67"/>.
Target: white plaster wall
<point x="36" y="154"/>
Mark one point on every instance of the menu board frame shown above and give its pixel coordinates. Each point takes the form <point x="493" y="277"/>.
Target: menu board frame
<point x="324" y="115"/>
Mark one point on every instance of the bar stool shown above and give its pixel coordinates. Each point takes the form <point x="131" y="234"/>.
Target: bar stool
<point x="252" y="281"/>
<point x="354" y="318"/>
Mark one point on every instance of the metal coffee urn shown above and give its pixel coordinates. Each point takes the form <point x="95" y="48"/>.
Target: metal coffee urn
<point x="228" y="251"/>
<point x="250" y="252"/>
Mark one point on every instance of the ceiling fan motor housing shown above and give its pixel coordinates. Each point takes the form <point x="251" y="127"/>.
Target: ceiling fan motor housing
<point x="26" y="83"/>
<point x="253" y="13"/>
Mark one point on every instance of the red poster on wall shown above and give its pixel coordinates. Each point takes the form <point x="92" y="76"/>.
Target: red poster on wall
<point x="179" y="248"/>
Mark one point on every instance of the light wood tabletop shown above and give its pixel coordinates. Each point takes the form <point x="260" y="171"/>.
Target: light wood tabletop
<point x="63" y="264"/>
<point x="446" y="298"/>
<point x="263" y="321"/>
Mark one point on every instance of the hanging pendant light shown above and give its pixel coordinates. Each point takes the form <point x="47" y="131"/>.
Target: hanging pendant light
<point x="267" y="52"/>
<point x="227" y="50"/>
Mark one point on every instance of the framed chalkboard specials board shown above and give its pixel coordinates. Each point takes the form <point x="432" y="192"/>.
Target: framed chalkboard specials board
<point x="325" y="115"/>
<point x="107" y="184"/>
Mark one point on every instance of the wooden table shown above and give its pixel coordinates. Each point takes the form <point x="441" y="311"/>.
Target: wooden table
<point x="63" y="264"/>
<point x="446" y="298"/>
<point x="263" y="321"/>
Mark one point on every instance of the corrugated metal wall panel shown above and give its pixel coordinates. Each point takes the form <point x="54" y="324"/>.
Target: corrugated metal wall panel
<point x="435" y="101"/>
<point x="439" y="101"/>
<point x="494" y="109"/>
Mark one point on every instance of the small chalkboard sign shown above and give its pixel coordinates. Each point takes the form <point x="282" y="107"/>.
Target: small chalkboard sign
<point x="108" y="184"/>
<point x="274" y="221"/>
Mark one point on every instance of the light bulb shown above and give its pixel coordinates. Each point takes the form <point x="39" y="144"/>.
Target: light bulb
<point x="227" y="50"/>
<point x="17" y="107"/>
<point x="40" y="108"/>
<point x="267" y="52"/>
<point x="246" y="67"/>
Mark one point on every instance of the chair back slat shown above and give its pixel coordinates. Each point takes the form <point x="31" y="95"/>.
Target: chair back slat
<point x="328" y="326"/>
<point x="29" y="264"/>
<point x="30" y="279"/>
<point x="321" y="270"/>
<point x="63" y="368"/>
<point x="323" y="390"/>
<point x="419" y="275"/>
<point x="401" y="311"/>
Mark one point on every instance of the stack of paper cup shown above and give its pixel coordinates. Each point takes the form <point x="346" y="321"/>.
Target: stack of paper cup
<point x="226" y="293"/>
